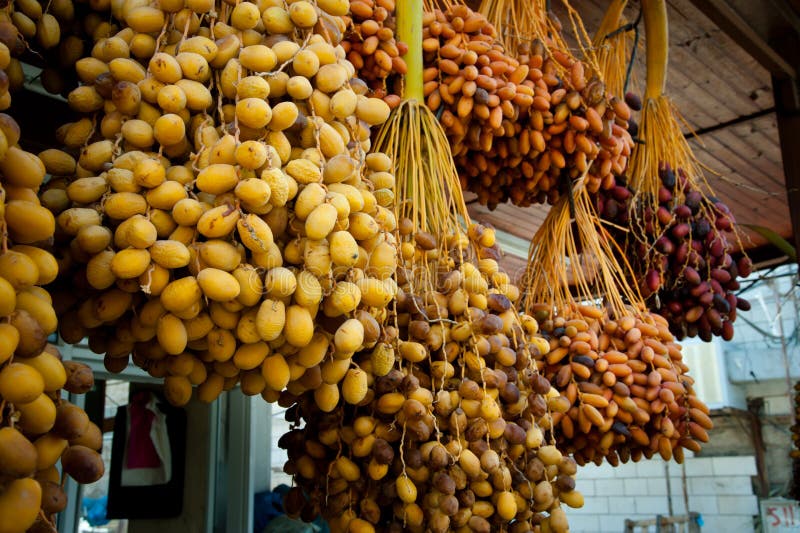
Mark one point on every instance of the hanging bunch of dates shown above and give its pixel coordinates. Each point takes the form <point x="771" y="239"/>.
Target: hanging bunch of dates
<point x="624" y="390"/>
<point x="683" y="256"/>
<point x="517" y="124"/>
<point x="443" y="417"/>
<point x="371" y="45"/>
<point x="569" y="128"/>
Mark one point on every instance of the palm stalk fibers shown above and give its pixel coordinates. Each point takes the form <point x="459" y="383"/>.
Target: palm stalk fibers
<point x="613" y="47"/>
<point x="660" y="126"/>
<point x="428" y="190"/>
<point x="573" y="260"/>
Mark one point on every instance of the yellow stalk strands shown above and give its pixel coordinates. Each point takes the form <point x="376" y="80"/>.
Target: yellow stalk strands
<point x="663" y="142"/>
<point x="660" y="125"/>
<point x="613" y="51"/>
<point x="428" y="189"/>
<point x="579" y="33"/>
<point x="572" y="260"/>
<point x="518" y="22"/>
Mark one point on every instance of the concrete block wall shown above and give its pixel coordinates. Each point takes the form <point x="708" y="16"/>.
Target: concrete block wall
<point x="719" y="488"/>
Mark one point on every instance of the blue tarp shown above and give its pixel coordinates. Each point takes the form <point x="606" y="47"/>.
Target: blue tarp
<point x="94" y="510"/>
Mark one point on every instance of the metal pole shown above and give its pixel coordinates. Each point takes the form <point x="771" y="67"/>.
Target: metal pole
<point x="684" y="486"/>
<point x="694" y="526"/>
<point x="755" y="407"/>
<point x="669" y="488"/>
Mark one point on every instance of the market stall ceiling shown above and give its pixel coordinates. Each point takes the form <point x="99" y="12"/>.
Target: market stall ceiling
<point x="726" y="97"/>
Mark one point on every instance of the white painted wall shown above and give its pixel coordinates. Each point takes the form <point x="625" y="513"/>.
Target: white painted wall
<point x="754" y="358"/>
<point x="719" y="488"/>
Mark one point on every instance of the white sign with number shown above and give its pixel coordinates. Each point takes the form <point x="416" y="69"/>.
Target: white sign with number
<point x="779" y="515"/>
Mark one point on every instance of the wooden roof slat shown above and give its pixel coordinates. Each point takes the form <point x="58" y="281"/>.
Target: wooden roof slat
<point x="514" y="267"/>
<point x="696" y="104"/>
<point x="750" y="82"/>
<point x="739" y="102"/>
<point x="768" y="211"/>
<point x="718" y="52"/>
<point x="762" y="134"/>
<point x="518" y="221"/>
<point x="761" y="172"/>
<point x="736" y="154"/>
<point x="718" y="58"/>
<point x="726" y="162"/>
<point x="700" y="103"/>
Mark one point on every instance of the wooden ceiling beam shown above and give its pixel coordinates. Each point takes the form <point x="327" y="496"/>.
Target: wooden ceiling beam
<point x="771" y="39"/>
<point x="787" y="13"/>
<point x="728" y="123"/>
<point x="765" y="256"/>
<point x="740" y="30"/>
<point x="787" y="105"/>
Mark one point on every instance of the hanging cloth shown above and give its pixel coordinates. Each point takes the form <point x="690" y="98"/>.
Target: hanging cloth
<point x="147" y="460"/>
